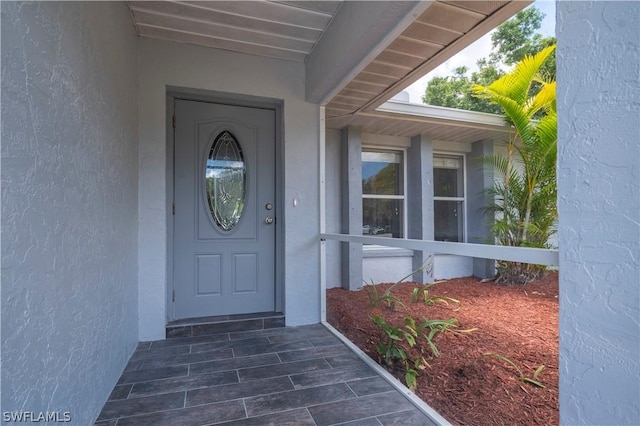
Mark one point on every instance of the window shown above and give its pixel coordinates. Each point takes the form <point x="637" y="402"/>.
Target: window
<point x="383" y="193"/>
<point x="448" y="191"/>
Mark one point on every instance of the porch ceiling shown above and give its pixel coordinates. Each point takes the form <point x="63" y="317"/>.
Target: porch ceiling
<point x="379" y="57"/>
<point x="444" y="29"/>
<point x="280" y="29"/>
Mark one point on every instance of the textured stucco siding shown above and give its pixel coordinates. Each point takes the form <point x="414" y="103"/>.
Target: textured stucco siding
<point x="164" y="64"/>
<point x="69" y="204"/>
<point x="598" y="58"/>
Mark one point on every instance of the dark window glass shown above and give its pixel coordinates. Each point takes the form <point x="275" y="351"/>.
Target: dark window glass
<point x="448" y="220"/>
<point x="448" y="189"/>
<point x="383" y="218"/>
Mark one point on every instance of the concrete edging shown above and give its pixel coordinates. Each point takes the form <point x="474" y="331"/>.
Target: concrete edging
<point x="412" y="397"/>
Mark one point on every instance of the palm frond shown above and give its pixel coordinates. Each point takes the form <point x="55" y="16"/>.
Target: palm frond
<point x="523" y="202"/>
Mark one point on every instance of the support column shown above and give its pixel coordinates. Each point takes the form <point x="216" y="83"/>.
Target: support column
<point x="420" y="202"/>
<point x="479" y="177"/>
<point x="351" y="177"/>
<point x="598" y="58"/>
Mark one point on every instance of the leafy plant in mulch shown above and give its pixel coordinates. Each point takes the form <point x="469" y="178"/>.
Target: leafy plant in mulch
<point x="400" y="346"/>
<point x="428" y="299"/>
<point x="375" y="299"/>
<point x="520" y="376"/>
<point x="394" y="341"/>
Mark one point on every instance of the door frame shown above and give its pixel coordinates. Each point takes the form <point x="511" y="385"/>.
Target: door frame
<point x="277" y="105"/>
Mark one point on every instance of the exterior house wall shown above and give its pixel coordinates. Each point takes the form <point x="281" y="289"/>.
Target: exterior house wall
<point x="167" y="64"/>
<point x="598" y="58"/>
<point x="380" y="264"/>
<point x="69" y="204"/>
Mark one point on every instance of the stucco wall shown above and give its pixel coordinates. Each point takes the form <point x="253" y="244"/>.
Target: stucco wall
<point x="69" y="204"/>
<point x="598" y="59"/>
<point x="163" y="64"/>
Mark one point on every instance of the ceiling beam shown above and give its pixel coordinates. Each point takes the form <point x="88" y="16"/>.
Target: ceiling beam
<point x="356" y="35"/>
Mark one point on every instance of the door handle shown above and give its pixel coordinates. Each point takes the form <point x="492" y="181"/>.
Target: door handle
<point x="268" y="221"/>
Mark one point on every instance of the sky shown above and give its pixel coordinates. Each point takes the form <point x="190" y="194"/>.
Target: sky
<point x="481" y="48"/>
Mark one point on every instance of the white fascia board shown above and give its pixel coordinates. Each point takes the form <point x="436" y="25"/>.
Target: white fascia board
<point x="443" y="113"/>
<point x="358" y="33"/>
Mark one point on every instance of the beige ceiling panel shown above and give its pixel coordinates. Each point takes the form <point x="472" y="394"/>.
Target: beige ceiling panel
<point x="269" y="11"/>
<point x="444" y="15"/>
<point x="376" y="78"/>
<point x="414" y="47"/>
<point x="356" y="94"/>
<point x="215" y="30"/>
<point x="365" y="87"/>
<point x="336" y="112"/>
<point x="400" y="58"/>
<point x="220" y="43"/>
<point x="483" y="7"/>
<point x="383" y="68"/>
<point x="346" y="109"/>
<point x="221" y="17"/>
<point x="346" y="102"/>
<point x="429" y="33"/>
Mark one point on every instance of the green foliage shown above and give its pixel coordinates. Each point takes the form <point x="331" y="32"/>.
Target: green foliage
<point x="455" y="91"/>
<point x="395" y="343"/>
<point x="524" y="209"/>
<point x="404" y="346"/>
<point x="375" y="299"/>
<point x="428" y="300"/>
<point x="518" y="37"/>
<point x="531" y="380"/>
<point x="511" y="42"/>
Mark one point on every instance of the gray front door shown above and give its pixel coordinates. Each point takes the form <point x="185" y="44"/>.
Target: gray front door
<point x="224" y="220"/>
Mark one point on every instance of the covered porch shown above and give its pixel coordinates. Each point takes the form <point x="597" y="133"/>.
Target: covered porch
<point x="88" y="199"/>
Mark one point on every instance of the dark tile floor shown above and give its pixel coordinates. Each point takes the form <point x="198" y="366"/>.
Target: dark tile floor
<point x="281" y="376"/>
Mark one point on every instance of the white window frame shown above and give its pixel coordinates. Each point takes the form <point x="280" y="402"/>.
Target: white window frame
<point x="371" y="249"/>
<point x="464" y="189"/>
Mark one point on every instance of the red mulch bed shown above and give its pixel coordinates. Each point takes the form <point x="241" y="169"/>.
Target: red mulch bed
<point x="518" y="322"/>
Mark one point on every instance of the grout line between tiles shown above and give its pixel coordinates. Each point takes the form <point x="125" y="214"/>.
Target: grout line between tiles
<point x="312" y="419"/>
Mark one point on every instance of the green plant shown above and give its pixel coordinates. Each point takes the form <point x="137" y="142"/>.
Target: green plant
<point x="524" y="209"/>
<point x="429" y="300"/>
<point x="532" y="380"/>
<point x="375" y="299"/>
<point x="392" y="345"/>
<point x="392" y="350"/>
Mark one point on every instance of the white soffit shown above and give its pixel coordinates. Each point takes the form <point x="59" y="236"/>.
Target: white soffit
<point x="396" y="118"/>
<point x="280" y="29"/>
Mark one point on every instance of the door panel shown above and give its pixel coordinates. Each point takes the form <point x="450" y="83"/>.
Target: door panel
<point x="222" y="267"/>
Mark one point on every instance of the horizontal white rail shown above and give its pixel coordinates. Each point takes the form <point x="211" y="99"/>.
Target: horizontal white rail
<point x="484" y="251"/>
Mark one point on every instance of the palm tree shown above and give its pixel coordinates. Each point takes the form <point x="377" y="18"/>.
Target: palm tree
<point x="524" y="209"/>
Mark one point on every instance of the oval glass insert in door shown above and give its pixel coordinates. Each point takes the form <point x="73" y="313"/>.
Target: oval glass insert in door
<point x="225" y="181"/>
